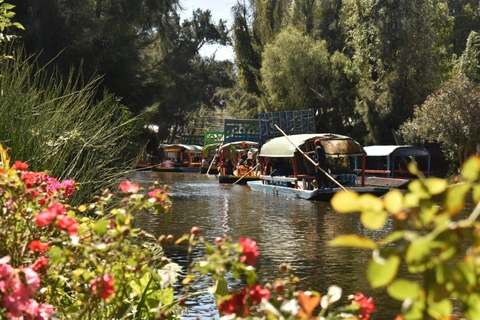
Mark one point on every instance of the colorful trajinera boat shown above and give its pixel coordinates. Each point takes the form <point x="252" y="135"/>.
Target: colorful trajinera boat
<point x="238" y="162"/>
<point x="298" y="173"/>
<point x="387" y="165"/>
<point x="181" y="158"/>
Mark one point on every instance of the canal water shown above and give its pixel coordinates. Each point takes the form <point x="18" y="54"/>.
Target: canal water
<point x="286" y="230"/>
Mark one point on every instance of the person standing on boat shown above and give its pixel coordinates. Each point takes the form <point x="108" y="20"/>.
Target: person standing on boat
<point x="321" y="158"/>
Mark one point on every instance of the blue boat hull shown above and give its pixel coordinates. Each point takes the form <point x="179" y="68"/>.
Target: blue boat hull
<point x="318" y="195"/>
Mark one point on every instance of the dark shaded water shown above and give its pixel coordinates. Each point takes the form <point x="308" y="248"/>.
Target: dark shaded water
<point x="286" y="230"/>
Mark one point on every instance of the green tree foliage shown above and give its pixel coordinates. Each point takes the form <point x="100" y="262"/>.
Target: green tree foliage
<point x="465" y="13"/>
<point x="399" y="56"/>
<point x="450" y="117"/>
<point x="298" y="73"/>
<point x="248" y="57"/>
<point x="468" y="63"/>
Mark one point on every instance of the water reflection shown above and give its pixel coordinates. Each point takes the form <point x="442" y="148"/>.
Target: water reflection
<point x="286" y="230"/>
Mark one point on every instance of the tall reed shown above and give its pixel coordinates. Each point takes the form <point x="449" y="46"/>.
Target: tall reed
<point x="58" y="125"/>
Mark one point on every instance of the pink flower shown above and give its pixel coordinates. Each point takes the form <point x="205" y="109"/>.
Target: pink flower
<point x="68" y="223"/>
<point x="45" y="312"/>
<point x="6" y="274"/>
<point x="366" y="305"/>
<point x="129" y="187"/>
<point x="69" y="186"/>
<point x="103" y="286"/>
<point x="47" y="216"/>
<point x="250" y="250"/>
<point x="19" y="165"/>
<point x="38" y="246"/>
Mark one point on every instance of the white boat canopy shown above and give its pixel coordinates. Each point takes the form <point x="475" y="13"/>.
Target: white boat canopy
<point x="334" y="144"/>
<point x="240" y="144"/>
<point x="402" y="151"/>
<point x="181" y="147"/>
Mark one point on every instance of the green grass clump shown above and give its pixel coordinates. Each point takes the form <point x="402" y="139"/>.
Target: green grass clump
<point x="59" y="125"/>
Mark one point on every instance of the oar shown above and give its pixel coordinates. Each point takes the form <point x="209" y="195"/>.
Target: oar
<point x="311" y="160"/>
<point x="211" y="162"/>
<point x="247" y="173"/>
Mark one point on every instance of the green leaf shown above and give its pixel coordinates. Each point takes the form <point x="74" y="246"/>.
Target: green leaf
<point x="353" y="241"/>
<point x="392" y="237"/>
<point x="373" y="220"/>
<point x="440" y="310"/>
<point x="413" y="168"/>
<point x="100" y="226"/>
<point x="371" y="203"/>
<point x="455" y="199"/>
<point x="473" y="303"/>
<point x="419" y="189"/>
<point x="476" y="193"/>
<point x="436" y="185"/>
<point x="471" y="168"/>
<point x="418" y="253"/>
<point x="55" y="255"/>
<point x="345" y="202"/>
<point x="402" y="289"/>
<point x="394" y="201"/>
<point x="381" y="272"/>
<point x="221" y="287"/>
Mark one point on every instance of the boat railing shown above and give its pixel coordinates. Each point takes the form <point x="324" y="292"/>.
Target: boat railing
<point x="278" y="180"/>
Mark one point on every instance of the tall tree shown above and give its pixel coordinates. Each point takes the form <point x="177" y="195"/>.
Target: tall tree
<point x="248" y="59"/>
<point x="400" y="54"/>
<point x="299" y="73"/>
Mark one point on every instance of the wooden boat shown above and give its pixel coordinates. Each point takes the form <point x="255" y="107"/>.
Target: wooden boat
<point x="386" y="165"/>
<point x="298" y="180"/>
<point x="243" y="169"/>
<point x="209" y="154"/>
<point x="181" y="158"/>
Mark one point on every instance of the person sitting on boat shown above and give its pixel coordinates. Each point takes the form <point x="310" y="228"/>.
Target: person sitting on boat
<point x="229" y="168"/>
<point x="167" y="163"/>
<point x="279" y="169"/>
<point x="205" y="162"/>
<point x="321" y="158"/>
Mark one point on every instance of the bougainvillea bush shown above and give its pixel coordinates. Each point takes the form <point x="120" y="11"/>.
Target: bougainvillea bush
<point x="58" y="261"/>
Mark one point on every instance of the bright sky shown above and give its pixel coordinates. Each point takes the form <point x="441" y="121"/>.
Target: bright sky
<point x="220" y="9"/>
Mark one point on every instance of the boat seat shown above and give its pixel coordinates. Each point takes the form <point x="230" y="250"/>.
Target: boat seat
<point x="278" y="180"/>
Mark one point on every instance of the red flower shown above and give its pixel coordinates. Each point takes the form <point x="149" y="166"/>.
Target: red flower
<point x="38" y="246"/>
<point x="47" y="216"/>
<point x="366" y="305"/>
<point x="129" y="187"/>
<point x="103" y="286"/>
<point x="256" y="294"/>
<point x="250" y="250"/>
<point x="39" y="263"/>
<point x="68" y="223"/>
<point x="19" y="165"/>
<point x="234" y="305"/>
<point x="155" y="195"/>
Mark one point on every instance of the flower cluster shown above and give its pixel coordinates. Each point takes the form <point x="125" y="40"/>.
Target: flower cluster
<point x="57" y="211"/>
<point x="249" y="249"/>
<point x="238" y="303"/>
<point x="16" y="289"/>
<point x="103" y="286"/>
<point x="366" y="305"/>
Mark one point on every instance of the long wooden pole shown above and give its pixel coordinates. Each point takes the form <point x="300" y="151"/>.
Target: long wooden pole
<point x="247" y="173"/>
<point x="311" y="160"/>
<point x="216" y="154"/>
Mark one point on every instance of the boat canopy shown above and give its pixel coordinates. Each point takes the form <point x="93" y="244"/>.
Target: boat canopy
<point x="403" y="151"/>
<point x="181" y="147"/>
<point x="240" y="144"/>
<point x="334" y="144"/>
